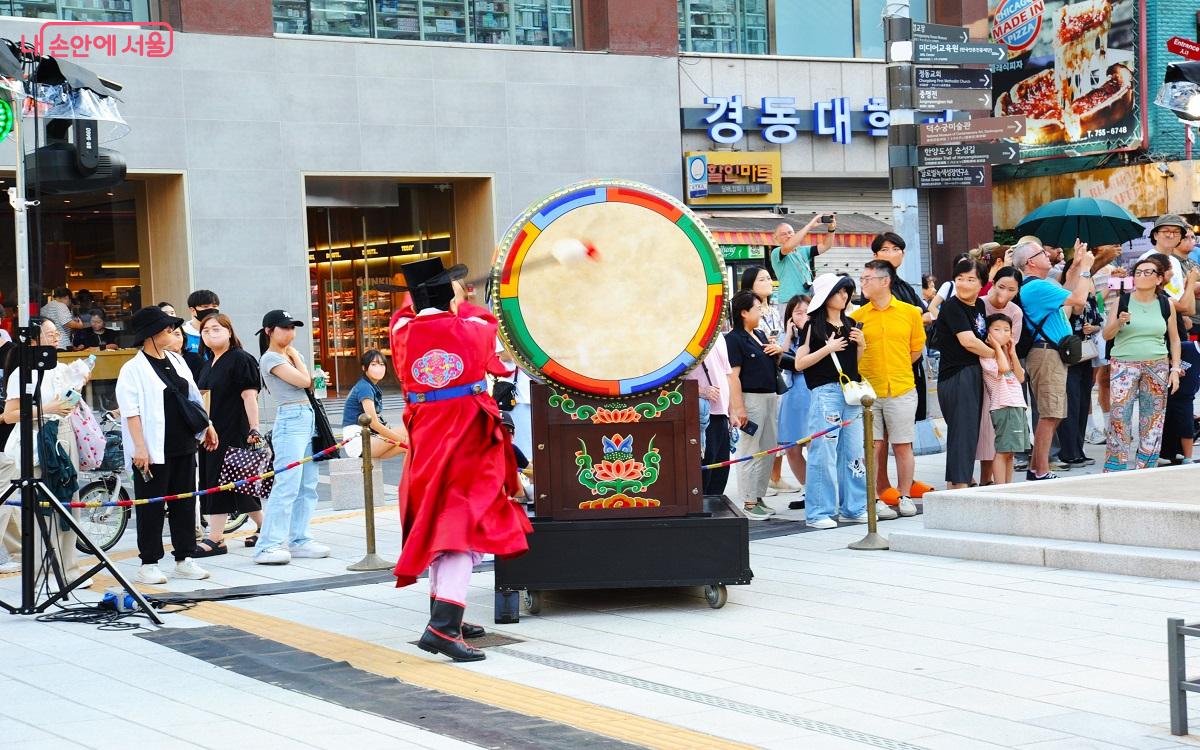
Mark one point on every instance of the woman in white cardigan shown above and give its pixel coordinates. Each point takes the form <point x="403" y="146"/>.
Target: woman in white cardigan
<point x="160" y="449"/>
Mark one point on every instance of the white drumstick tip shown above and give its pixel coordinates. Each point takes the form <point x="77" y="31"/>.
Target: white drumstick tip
<point x="569" y="251"/>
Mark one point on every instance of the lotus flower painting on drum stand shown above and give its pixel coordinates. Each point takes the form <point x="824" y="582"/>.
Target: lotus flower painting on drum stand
<point x="619" y="472"/>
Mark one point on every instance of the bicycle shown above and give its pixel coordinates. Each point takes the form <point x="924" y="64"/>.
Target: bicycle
<point x="105" y="524"/>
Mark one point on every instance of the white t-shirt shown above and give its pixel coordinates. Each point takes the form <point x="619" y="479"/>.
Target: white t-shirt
<point x="946" y="290"/>
<point x="54" y="385"/>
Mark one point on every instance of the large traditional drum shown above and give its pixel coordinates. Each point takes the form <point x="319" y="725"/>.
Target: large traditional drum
<point x="634" y="320"/>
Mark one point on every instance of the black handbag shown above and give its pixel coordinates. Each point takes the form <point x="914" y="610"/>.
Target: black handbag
<point x="195" y="418"/>
<point x="324" y="439"/>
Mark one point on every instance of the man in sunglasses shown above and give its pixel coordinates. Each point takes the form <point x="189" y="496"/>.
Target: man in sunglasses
<point x="1049" y="305"/>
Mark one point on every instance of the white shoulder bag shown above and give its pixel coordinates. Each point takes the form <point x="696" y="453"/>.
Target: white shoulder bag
<point x="853" y="390"/>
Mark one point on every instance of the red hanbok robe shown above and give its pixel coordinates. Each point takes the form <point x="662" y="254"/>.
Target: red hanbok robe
<point x="460" y="472"/>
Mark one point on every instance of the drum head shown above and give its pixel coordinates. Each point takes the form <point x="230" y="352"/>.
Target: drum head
<point x="639" y="316"/>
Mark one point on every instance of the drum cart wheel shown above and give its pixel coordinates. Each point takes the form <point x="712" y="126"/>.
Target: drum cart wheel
<point x="533" y="601"/>
<point x="716" y="594"/>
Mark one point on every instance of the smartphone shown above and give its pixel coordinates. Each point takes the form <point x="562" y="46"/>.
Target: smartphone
<point x="72" y="396"/>
<point x="827" y="219"/>
<point x="146" y="475"/>
<point x="749" y="428"/>
<point x="1117" y="283"/>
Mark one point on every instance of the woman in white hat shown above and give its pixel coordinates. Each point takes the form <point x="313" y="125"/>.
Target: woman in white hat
<point x="830" y="346"/>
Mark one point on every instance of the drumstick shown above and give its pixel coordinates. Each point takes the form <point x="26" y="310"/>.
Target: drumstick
<point x="567" y="252"/>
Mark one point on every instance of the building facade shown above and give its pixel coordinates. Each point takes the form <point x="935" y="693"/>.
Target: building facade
<point x="298" y="172"/>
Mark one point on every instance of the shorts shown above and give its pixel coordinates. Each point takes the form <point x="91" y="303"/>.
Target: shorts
<point x="897" y="417"/>
<point x="1048" y="376"/>
<point x="1012" y="429"/>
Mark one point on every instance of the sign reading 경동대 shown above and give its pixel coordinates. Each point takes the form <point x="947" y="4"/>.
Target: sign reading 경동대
<point x="1071" y="72"/>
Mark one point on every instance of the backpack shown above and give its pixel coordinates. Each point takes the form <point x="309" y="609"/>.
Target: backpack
<point x="1164" y="307"/>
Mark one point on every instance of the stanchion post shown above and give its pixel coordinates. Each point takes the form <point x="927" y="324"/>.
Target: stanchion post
<point x="872" y="541"/>
<point x="370" y="561"/>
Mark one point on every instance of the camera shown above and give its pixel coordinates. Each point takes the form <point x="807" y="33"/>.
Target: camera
<point x="827" y="219"/>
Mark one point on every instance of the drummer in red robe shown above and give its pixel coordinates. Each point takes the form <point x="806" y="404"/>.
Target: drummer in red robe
<point x="459" y="474"/>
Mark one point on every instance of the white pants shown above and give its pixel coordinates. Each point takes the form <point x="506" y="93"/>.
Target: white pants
<point x="753" y="476"/>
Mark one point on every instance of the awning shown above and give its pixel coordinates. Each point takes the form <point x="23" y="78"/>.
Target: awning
<point x="856" y="230"/>
<point x="742" y="238"/>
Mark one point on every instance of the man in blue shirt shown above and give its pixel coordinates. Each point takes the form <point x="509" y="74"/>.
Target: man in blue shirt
<point x="1047" y="304"/>
<point x="793" y="261"/>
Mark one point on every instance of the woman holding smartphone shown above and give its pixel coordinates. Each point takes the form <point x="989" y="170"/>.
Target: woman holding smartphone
<point x="830" y="345"/>
<point x="284" y="533"/>
<point x="160" y="447"/>
<point x="753" y="400"/>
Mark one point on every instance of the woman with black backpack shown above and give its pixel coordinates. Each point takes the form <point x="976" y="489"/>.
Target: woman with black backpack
<point x="1144" y="357"/>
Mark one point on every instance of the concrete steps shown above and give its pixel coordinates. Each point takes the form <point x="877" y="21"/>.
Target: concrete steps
<point x="1141" y="523"/>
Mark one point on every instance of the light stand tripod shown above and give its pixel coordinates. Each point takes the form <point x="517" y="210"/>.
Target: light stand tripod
<point x="41" y="359"/>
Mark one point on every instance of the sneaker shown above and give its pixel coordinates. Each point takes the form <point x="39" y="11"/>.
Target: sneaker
<point x="821" y="523"/>
<point x="796" y="505"/>
<point x="763" y="506"/>
<point x="755" y="513"/>
<point x="907" y="507"/>
<point x="861" y="518"/>
<point x="1081" y="462"/>
<point x="1096" y="436"/>
<point x="185" y="568"/>
<point x="12" y="566"/>
<point x="315" y="549"/>
<point x="784" y="486"/>
<point x="1020" y="464"/>
<point x="150" y="574"/>
<point x="1031" y="477"/>
<point x="884" y="512"/>
<point x="273" y="556"/>
<point x="1060" y="464"/>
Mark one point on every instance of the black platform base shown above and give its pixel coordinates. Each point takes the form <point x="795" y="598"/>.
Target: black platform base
<point x="711" y="550"/>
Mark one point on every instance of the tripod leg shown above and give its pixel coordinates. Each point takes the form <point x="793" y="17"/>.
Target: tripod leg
<point x="12" y="488"/>
<point x="105" y="563"/>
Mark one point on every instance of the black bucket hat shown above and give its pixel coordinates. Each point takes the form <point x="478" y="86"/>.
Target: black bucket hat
<point x="149" y="321"/>
<point x="279" y="319"/>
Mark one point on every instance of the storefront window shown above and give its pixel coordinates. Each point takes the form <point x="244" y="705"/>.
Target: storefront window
<point x="730" y="26"/>
<point x="78" y="10"/>
<point x="540" y="23"/>
<point x="360" y="233"/>
<point x="850" y="28"/>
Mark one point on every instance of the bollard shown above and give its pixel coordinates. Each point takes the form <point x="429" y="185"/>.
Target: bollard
<point x="872" y="541"/>
<point x="370" y="561"/>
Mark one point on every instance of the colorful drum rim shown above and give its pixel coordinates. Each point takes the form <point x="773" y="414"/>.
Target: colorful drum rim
<point x="520" y="238"/>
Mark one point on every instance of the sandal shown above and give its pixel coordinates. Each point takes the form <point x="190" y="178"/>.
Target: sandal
<point x="252" y="540"/>
<point x="209" y="548"/>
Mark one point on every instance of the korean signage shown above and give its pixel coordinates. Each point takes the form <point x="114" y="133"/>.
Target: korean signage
<point x="1071" y="71"/>
<point x="100" y="39"/>
<point x="738" y="178"/>
<point x="727" y="119"/>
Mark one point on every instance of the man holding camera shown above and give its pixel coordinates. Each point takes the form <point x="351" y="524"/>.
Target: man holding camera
<point x="794" y="262"/>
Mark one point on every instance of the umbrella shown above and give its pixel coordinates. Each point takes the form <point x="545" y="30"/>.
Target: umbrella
<point x="1097" y="222"/>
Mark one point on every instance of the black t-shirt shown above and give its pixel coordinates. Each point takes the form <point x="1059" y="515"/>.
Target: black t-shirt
<point x="759" y="373"/>
<point x="956" y="317"/>
<point x="824" y="372"/>
<point x="177" y="440"/>
<point x="88" y="338"/>
<point x="225" y="378"/>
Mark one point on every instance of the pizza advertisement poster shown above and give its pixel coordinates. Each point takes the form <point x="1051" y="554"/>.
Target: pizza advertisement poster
<point x="1072" y="72"/>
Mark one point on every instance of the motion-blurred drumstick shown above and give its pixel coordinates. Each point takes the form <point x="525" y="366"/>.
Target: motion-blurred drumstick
<point x="565" y="252"/>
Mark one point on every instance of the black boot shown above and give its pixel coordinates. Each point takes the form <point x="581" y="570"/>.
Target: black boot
<point x="443" y="634"/>
<point x="469" y="630"/>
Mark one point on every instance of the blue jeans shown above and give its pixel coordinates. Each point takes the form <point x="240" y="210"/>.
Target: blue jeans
<point x="705" y="411"/>
<point x="837" y="473"/>
<point x="294" y="497"/>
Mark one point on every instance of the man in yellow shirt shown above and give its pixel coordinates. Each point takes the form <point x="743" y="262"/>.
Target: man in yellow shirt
<point x="895" y="337"/>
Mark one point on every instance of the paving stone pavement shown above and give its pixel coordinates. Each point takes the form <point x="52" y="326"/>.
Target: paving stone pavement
<point x="827" y="648"/>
